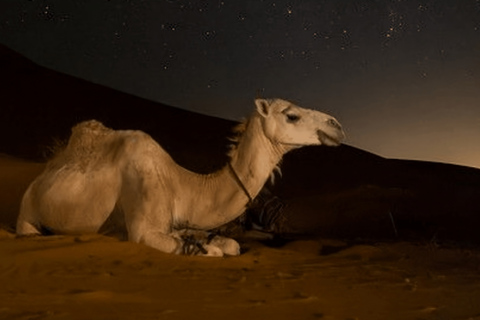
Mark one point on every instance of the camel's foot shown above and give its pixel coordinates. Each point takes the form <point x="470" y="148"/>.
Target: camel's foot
<point x="203" y="243"/>
<point x="211" y="251"/>
<point x="227" y="246"/>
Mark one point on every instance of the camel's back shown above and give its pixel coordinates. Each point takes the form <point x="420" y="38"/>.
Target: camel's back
<point x="91" y="145"/>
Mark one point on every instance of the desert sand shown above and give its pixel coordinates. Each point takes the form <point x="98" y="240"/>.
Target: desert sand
<point x="100" y="277"/>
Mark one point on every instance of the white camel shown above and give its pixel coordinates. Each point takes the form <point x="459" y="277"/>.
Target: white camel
<point x="163" y="205"/>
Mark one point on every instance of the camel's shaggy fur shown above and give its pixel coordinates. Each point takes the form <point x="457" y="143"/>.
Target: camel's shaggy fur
<point x="104" y="173"/>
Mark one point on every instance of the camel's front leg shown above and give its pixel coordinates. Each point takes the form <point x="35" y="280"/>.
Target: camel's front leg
<point x="153" y="234"/>
<point x="174" y="242"/>
<point x="158" y="240"/>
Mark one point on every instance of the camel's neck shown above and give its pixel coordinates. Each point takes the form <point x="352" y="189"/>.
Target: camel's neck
<point x="255" y="157"/>
<point x="253" y="161"/>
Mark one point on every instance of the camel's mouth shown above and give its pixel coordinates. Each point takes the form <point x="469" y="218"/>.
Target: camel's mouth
<point x="329" y="140"/>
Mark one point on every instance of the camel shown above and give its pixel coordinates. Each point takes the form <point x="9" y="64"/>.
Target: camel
<point x="104" y="172"/>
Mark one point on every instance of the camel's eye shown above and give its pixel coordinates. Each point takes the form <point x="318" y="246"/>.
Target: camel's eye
<point x="292" y="118"/>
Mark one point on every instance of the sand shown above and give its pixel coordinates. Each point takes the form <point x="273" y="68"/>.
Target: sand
<point x="99" y="277"/>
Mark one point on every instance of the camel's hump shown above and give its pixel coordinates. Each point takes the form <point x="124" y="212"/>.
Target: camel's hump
<point x="89" y="127"/>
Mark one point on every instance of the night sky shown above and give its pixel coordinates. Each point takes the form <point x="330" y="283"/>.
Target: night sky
<point x="403" y="77"/>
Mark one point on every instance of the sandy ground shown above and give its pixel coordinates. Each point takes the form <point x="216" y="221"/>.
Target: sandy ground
<point x="98" y="277"/>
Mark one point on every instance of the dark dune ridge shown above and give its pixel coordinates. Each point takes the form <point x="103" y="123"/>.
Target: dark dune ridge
<point x="339" y="192"/>
<point x="41" y="105"/>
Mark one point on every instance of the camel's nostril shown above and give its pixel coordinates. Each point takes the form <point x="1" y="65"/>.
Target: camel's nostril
<point x="334" y="123"/>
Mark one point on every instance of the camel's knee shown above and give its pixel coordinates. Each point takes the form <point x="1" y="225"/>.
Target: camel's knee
<point x="157" y="240"/>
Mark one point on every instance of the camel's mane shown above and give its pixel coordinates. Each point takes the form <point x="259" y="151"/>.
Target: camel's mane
<point x="237" y="134"/>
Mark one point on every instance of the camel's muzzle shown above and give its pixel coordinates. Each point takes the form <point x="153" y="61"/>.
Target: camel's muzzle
<point x="329" y="140"/>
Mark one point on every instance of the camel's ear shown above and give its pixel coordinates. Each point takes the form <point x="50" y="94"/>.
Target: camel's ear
<point x="262" y="107"/>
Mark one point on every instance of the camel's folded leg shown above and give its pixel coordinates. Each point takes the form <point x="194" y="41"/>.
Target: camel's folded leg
<point x="25" y="228"/>
<point x="172" y="243"/>
<point x="158" y="240"/>
<point x="196" y="242"/>
<point x="27" y="222"/>
<point x="205" y="243"/>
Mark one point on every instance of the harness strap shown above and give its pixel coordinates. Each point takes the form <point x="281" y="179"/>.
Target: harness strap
<point x="240" y="184"/>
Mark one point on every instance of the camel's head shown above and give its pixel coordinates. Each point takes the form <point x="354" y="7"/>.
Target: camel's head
<point x="288" y="124"/>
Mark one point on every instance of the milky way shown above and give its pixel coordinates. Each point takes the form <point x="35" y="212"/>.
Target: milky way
<point x="403" y="76"/>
